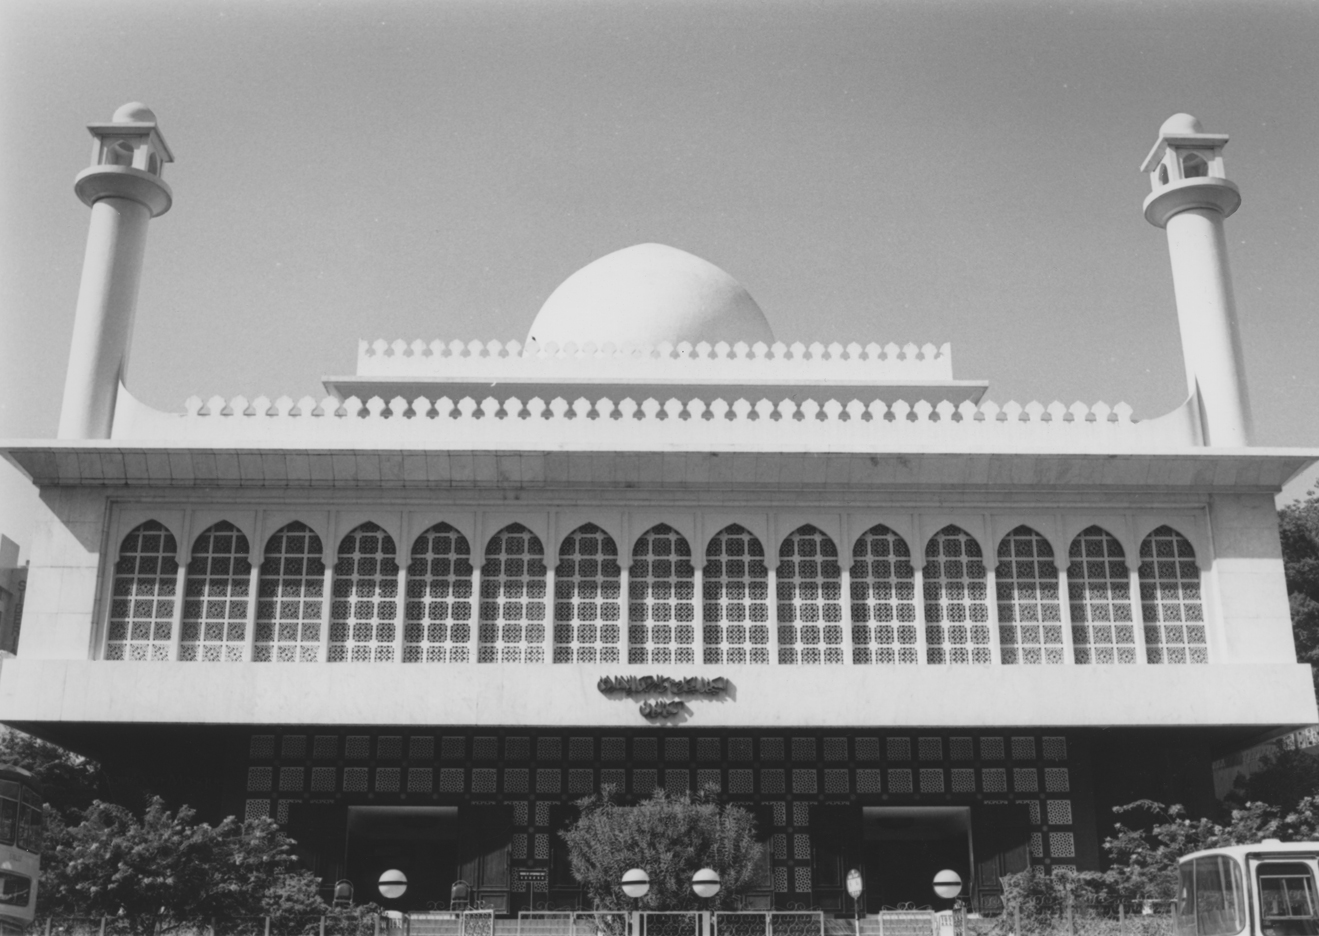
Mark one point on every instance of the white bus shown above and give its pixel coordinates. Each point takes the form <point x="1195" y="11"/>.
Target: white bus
<point x="20" y="849"/>
<point x="1267" y="889"/>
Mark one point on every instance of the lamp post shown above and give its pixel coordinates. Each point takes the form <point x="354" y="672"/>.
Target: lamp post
<point x="948" y="884"/>
<point x="636" y="884"/>
<point x="706" y="884"/>
<point x="393" y="884"/>
<point x="855" y="886"/>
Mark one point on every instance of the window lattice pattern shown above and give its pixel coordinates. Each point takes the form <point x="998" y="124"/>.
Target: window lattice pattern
<point x="810" y="599"/>
<point x="883" y="599"/>
<point x="736" y="599"/>
<point x="1099" y="592"/>
<point x="215" y="596"/>
<point x="1170" y="601"/>
<point x="142" y="606"/>
<point x="438" y="626"/>
<point x="956" y="610"/>
<point x="290" y="596"/>
<point x="1029" y="613"/>
<point x="662" y="608"/>
<point x="364" y="612"/>
<point x="587" y="586"/>
<point x="513" y="598"/>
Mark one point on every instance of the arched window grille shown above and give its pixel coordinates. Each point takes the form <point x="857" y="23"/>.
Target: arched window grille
<point x="142" y="603"/>
<point x="956" y="605"/>
<point x="883" y="599"/>
<point x="290" y="597"/>
<point x="810" y="599"/>
<point x="588" y="600"/>
<point x="736" y="599"/>
<point x="1029" y="612"/>
<point x="513" y="598"/>
<point x="1099" y="592"/>
<point x="215" y="596"/>
<point x="662" y="599"/>
<point x="1170" y="601"/>
<point x="364" y="612"/>
<point x="438" y="624"/>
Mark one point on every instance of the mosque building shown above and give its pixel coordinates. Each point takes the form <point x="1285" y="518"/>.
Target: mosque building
<point x="652" y="546"/>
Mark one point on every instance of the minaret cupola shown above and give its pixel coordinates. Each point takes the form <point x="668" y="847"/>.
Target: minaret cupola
<point x="128" y="159"/>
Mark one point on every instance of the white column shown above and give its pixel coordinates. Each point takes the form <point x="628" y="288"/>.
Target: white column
<point x="547" y="645"/>
<point x="253" y="591"/>
<point x="845" y="585"/>
<point x="991" y="595"/>
<point x="328" y="590"/>
<point x="176" y="624"/>
<point x="1137" y="618"/>
<point x="1206" y="311"/>
<point x="474" y="638"/>
<point x="400" y="610"/>
<point x="922" y="657"/>
<point x="1065" y="615"/>
<point x="772" y="583"/>
<point x="624" y="611"/>
<point x="698" y="611"/>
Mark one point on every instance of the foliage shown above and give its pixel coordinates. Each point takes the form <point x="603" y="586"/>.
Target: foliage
<point x="671" y="838"/>
<point x="165" y="871"/>
<point x="1039" y="897"/>
<point x="1298" y="526"/>
<point x="70" y="783"/>
<point x="1282" y="779"/>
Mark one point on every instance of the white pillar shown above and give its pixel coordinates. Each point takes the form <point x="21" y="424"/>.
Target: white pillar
<point x="326" y="615"/>
<point x="547" y="644"/>
<point x="772" y="613"/>
<point x="1137" y="616"/>
<point x="922" y="653"/>
<point x="400" y="610"/>
<point x="845" y="585"/>
<point x="991" y="596"/>
<point x="124" y="190"/>
<point x="1065" y="615"/>
<point x="253" y="589"/>
<point x="625" y="612"/>
<point x="474" y="638"/>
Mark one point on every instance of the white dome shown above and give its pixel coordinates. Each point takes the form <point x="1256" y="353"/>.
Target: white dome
<point x="648" y="294"/>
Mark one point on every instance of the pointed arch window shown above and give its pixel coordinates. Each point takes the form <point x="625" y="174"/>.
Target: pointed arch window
<point x="1170" y="601"/>
<point x="290" y="597"/>
<point x="1099" y="592"/>
<point x="216" y="595"/>
<point x="883" y="599"/>
<point x="1029" y="611"/>
<point x="143" y="595"/>
<point x="736" y="599"/>
<point x="662" y="599"/>
<point x="364" y="612"/>
<point x="956" y="599"/>
<point x="438" y="623"/>
<point x="810" y="599"/>
<point x="588" y="599"/>
<point x="512" y="628"/>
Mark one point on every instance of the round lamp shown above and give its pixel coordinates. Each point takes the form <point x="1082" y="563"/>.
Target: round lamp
<point x="705" y="882"/>
<point x="636" y="883"/>
<point x="854" y="884"/>
<point x="393" y="884"/>
<point x="947" y="884"/>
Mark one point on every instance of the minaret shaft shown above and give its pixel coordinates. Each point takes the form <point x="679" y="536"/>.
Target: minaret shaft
<point x="103" y="323"/>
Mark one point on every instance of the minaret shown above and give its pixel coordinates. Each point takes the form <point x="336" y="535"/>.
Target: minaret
<point x="124" y="189"/>
<point x="1191" y="196"/>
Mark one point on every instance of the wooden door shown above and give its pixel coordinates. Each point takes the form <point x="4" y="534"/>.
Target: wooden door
<point x="483" y="848"/>
<point x="1000" y="843"/>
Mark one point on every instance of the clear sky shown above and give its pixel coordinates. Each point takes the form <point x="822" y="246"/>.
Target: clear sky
<point x="890" y="171"/>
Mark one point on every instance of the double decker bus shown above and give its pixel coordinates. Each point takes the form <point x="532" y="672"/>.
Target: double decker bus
<point x="20" y="849"/>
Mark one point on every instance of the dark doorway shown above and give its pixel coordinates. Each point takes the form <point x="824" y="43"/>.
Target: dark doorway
<point x="903" y="849"/>
<point x="420" y="841"/>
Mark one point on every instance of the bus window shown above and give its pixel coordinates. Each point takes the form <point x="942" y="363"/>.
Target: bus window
<point x="1287" y="899"/>
<point x="1209" y="898"/>
<point x="8" y="811"/>
<point x="29" y="828"/>
<point x="15" y="889"/>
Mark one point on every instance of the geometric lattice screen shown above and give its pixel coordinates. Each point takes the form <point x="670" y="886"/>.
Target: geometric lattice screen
<point x="364" y="612"/>
<point x="588" y="600"/>
<point x="661" y="600"/>
<point x="736" y="598"/>
<point x="810" y="605"/>
<point x="1029" y="612"/>
<point x="513" y="605"/>
<point x="143" y="594"/>
<point x="1099" y="587"/>
<point x="290" y="597"/>
<point x="437" y="624"/>
<point x="883" y="599"/>
<point x="1170" y="601"/>
<point x="956" y="606"/>
<point x="215" y="596"/>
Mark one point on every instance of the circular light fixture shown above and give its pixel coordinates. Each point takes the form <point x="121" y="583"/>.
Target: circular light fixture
<point x="854" y="884"/>
<point x="393" y="884"/>
<point x="706" y="882"/>
<point x="636" y="883"/>
<point x="947" y="884"/>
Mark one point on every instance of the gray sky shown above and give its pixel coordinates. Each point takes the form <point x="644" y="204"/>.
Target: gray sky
<point x="932" y="171"/>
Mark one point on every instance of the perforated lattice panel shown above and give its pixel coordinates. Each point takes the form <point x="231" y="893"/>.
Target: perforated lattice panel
<point x="661" y="599"/>
<point x="1170" y="601"/>
<point x="1029" y="612"/>
<point x="1099" y="592"/>
<point x="956" y="609"/>
<point x="513" y="598"/>
<point x="883" y="599"/>
<point x="736" y="599"/>
<point x="290" y="596"/>
<point x="587" y="599"/>
<point x="364" y="612"/>
<point x="810" y="606"/>
<point x="437" y="627"/>
<point x="215" y="596"/>
<point x="144" y="590"/>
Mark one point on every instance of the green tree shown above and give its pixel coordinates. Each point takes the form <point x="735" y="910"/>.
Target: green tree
<point x="1283" y="779"/>
<point x="1298" y="526"/>
<point x="165" y="870"/>
<point x="670" y="838"/>
<point x="70" y="783"/>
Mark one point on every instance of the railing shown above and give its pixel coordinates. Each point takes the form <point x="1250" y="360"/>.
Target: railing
<point x="771" y="923"/>
<point x="571" y="923"/>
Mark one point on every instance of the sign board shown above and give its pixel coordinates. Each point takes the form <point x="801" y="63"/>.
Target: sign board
<point x="525" y="877"/>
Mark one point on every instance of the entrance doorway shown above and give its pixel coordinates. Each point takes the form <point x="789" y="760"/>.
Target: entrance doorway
<point x="905" y="846"/>
<point x="420" y="841"/>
